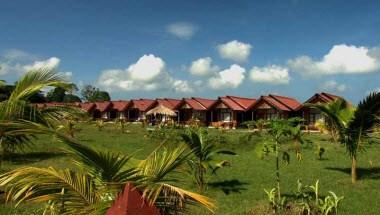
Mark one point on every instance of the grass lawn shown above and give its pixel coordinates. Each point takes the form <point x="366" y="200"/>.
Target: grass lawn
<point x="236" y="189"/>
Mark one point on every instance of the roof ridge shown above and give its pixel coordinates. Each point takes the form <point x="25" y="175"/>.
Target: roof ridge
<point x="274" y="97"/>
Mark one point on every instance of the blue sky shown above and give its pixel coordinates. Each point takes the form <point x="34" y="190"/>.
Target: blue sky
<point x="197" y="48"/>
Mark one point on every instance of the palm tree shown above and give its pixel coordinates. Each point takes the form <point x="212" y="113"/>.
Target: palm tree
<point x="18" y="107"/>
<point x="93" y="186"/>
<point x="204" y="152"/>
<point x="354" y="125"/>
<point x="338" y="108"/>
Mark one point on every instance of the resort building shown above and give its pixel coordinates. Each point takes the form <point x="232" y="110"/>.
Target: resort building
<point x="312" y="115"/>
<point x="168" y="103"/>
<point x="102" y="110"/>
<point x="137" y="109"/>
<point x="195" y="110"/>
<point x="119" y="110"/>
<point x="274" y="106"/>
<point x="230" y="111"/>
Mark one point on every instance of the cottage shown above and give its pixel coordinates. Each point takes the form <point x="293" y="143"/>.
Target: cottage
<point x="312" y="115"/>
<point x="88" y="107"/>
<point x="195" y="110"/>
<point x="102" y="110"/>
<point x="274" y="106"/>
<point x="119" y="110"/>
<point x="137" y="109"/>
<point x="229" y="111"/>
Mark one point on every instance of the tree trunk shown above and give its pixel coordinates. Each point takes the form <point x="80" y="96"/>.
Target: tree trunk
<point x="278" y="173"/>
<point x="354" y="175"/>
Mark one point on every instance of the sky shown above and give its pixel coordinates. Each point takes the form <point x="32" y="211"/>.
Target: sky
<point x="149" y="49"/>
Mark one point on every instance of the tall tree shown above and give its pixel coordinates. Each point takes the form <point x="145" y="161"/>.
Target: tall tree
<point x="56" y="95"/>
<point x="92" y="94"/>
<point x="354" y="125"/>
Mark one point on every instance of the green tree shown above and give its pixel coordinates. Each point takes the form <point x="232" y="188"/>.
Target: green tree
<point x="353" y="125"/>
<point x="92" y="94"/>
<point x="204" y="152"/>
<point x="281" y="132"/>
<point x="56" y="95"/>
<point x="70" y="98"/>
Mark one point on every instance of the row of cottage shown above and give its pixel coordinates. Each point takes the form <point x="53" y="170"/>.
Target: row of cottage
<point x="225" y="111"/>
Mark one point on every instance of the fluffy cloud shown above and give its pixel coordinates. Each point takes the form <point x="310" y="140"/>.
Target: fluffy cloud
<point x="148" y="73"/>
<point x="228" y="78"/>
<point x="182" y="30"/>
<point x="16" y="62"/>
<point x="332" y="85"/>
<point x="203" y="67"/>
<point x="235" y="50"/>
<point x="51" y="63"/>
<point x="341" y="59"/>
<point x="271" y="74"/>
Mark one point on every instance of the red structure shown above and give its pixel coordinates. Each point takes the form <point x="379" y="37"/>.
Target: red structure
<point x="274" y="106"/>
<point x="195" y="110"/>
<point x="130" y="202"/>
<point x="229" y="111"/>
<point x="312" y="115"/>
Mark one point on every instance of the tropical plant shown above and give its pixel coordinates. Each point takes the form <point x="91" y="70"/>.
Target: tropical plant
<point x="18" y="107"/>
<point x="93" y="186"/>
<point x="203" y="155"/>
<point x="353" y="126"/>
<point x="282" y="131"/>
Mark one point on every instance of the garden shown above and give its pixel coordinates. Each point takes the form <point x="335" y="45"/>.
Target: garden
<point x="54" y="161"/>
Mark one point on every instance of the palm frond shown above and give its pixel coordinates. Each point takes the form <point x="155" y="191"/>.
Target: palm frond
<point x="73" y="192"/>
<point x="362" y="122"/>
<point x="35" y="80"/>
<point x="109" y="167"/>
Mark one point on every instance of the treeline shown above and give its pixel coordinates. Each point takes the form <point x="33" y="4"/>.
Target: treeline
<point x="88" y="93"/>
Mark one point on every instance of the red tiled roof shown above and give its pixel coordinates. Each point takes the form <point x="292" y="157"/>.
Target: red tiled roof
<point x="120" y="105"/>
<point x="291" y="103"/>
<point x="169" y="103"/>
<point x="141" y="104"/>
<point x="279" y="102"/>
<point x="103" y="106"/>
<point x="87" y="106"/>
<point x="244" y="102"/>
<point x="207" y="103"/>
<point x="194" y="104"/>
<point x="325" y="97"/>
<point x="231" y="103"/>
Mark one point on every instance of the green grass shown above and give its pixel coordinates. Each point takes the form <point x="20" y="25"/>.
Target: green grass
<point x="239" y="188"/>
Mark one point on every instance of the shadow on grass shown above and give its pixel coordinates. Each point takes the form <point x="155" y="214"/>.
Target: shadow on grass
<point x="363" y="173"/>
<point x="229" y="186"/>
<point x="31" y="157"/>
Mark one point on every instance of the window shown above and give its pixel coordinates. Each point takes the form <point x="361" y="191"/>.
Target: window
<point x="225" y="115"/>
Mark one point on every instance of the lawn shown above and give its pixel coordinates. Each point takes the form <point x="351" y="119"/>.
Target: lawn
<point x="238" y="188"/>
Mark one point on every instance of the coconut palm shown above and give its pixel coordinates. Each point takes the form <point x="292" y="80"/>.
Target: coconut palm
<point x="354" y="125"/>
<point x="204" y="152"/>
<point x="17" y="106"/>
<point x="341" y="111"/>
<point x="93" y="186"/>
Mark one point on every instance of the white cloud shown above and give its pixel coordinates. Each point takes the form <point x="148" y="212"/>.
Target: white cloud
<point x="228" y="78"/>
<point x="203" y="67"/>
<point x="332" y="85"/>
<point x="182" y="30"/>
<point x="148" y="73"/>
<point x="51" y="63"/>
<point x="17" y="62"/>
<point x="271" y="74"/>
<point x="341" y="59"/>
<point x="235" y="50"/>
